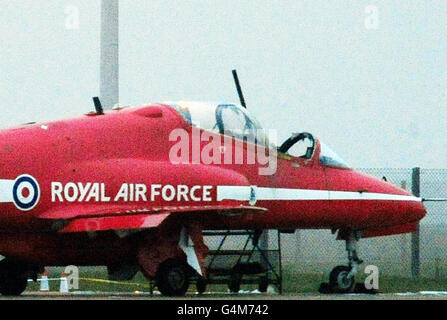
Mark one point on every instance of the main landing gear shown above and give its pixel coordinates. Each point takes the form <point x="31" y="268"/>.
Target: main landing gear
<point x="172" y="277"/>
<point x="342" y="278"/>
<point x="14" y="277"/>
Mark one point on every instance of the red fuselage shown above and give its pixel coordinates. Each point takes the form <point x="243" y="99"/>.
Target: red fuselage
<point x="82" y="164"/>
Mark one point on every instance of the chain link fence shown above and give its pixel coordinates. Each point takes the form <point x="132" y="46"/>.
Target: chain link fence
<point x="311" y="254"/>
<point x="317" y="251"/>
<point x="433" y="228"/>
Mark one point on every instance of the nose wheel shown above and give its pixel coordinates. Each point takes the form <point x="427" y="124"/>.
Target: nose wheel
<point x="342" y="278"/>
<point x="339" y="281"/>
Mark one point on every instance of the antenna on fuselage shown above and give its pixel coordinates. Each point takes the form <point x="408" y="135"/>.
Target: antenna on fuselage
<point x="239" y="89"/>
<point x="98" y="106"/>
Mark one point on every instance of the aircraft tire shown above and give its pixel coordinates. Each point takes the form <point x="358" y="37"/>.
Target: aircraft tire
<point x="235" y="282"/>
<point x="201" y="285"/>
<point x="338" y="281"/>
<point x="263" y="284"/>
<point x="172" y="278"/>
<point x="12" y="281"/>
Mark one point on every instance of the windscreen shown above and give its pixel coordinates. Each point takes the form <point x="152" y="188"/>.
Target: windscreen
<point x="329" y="158"/>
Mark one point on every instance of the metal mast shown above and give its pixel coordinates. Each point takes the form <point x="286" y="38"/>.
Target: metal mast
<point x="109" y="65"/>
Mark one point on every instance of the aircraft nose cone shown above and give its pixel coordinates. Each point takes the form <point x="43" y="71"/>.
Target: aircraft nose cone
<point x="403" y="206"/>
<point x="406" y="208"/>
<point x="390" y="204"/>
<point x="416" y="210"/>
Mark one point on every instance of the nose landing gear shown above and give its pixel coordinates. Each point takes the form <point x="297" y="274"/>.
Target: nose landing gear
<point x="342" y="278"/>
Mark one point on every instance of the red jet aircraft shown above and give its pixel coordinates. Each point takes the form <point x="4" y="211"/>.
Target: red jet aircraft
<point x="133" y="188"/>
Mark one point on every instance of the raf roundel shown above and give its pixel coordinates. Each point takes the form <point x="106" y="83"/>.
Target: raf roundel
<point x="25" y="192"/>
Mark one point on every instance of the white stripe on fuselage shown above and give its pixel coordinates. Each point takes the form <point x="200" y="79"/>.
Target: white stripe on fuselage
<point x="6" y="190"/>
<point x="243" y="193"/>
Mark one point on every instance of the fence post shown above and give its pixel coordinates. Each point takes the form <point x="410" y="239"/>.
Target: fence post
<point x="298" y="240"/>
<point x="415" y="254"/>
<point x="264" y="245"/>
<point x="404" y="245"/>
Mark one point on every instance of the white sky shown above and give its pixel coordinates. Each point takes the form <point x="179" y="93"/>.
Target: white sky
<point x="376" y="96"/>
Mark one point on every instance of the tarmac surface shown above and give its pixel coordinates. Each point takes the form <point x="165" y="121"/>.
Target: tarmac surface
<point x="425" y="295"/>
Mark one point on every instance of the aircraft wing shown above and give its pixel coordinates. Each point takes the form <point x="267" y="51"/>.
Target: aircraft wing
<point x="104" y="218"/>
<point x="129" y="222"/>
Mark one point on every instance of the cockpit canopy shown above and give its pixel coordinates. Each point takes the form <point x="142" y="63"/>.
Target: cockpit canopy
<point x="228" y="119"/>
<point x="234" y="120"/>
